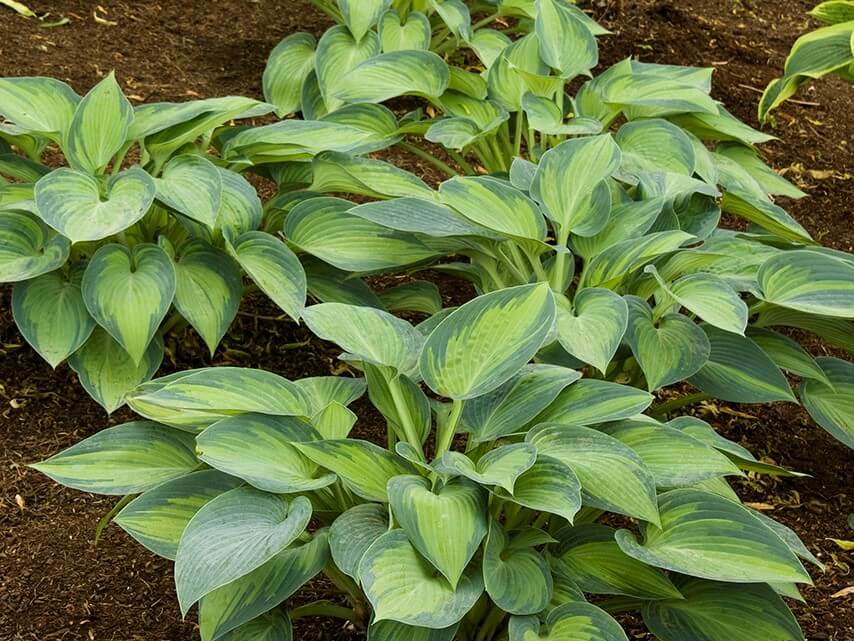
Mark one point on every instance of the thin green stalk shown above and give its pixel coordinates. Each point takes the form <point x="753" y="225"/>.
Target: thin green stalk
<point x="485" y="21"/>
<point x="117" y="163"/>
<point x="346" y="585"/>
<point x="440" y="165"/>
<point x="618" y="604"/>
<point x="537" y="266"/>
<point x="484" y="152"/>
<point x="498" y="153"/>
<point x="520" y="125"/>
<point x="445" y="437"/>
<point x="461" y="161"/>
<point x="108" y="517"/>
<point x="322" y="609"/>
<point x="558" y="273"/>
<point x="667" y="407"/>
<point x="490" y="623"/>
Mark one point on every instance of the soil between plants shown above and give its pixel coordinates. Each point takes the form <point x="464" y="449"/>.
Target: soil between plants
<point x="56" y="584"/>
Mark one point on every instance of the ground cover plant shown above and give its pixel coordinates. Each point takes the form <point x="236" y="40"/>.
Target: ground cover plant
<point x="827" y="50"/>
<point x="513" y="531"/>
<point x="562" y="489"/>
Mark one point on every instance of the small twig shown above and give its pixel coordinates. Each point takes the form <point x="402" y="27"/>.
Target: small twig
<point x="794" y="101"/>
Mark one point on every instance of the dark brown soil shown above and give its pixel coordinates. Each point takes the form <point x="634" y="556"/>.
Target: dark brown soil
<point x="55" y="584"/>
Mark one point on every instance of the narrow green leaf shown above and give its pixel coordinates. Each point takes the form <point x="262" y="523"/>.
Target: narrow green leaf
<point x="125" y="459"/>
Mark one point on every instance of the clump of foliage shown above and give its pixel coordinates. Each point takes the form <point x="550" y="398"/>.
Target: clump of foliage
<point x="828" y="50"/>
<point x="491" y="514"/>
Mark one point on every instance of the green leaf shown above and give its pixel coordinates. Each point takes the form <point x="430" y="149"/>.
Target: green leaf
<point x="333" y="171"/>
<point x="592" y="327"/>
<point x="259" y="449"/>
<point x="414" y="33"/>
<point x="27" y="248"/>
<point x="364" y="467"/>
<point x="591" y="401"/>
<point x="590" y="555"/>
<point x="809" y="281"/>
<point x="337" y="54"/>
<point x="192" y="186"/>
<point x="674" y="457"/>
<point x="400" y="400"/>
<point x="510" y="406"/>
<point x="566" y="43"/>
<point x="787" y="354"/>
<point x="208" y="289"/>
<point x="710" y="537"/>
<point x="273" y="267"/>
<point x="655" y="145"/>
<point x="334" y="421"/>
<point x="194" y="399"/>
<point x="50" y="313"/>
<point x="832" y="407"/>
<point x="496" y="205"/>
<point x="361" y="15"/>
<point x="668" y="351"/>
<point x="419" y="216"/>
<point x="612" y="476"/>
<point x="324" y="228"/>
<point x="423" y="514"/>
<point x="488" y="45"/>
<point x="287" y="68"/>
<point x="501" y="466"/>
<point x="125" y="459"/>
<point x="567" y="179"/>
<point x="99" y="127"/>
<point x="486" y="341"/>
<point x="71" y="202"/>
<point x="167" y="126"/>
<point x="394" y="631"/>
<point x="38" y="105"/>
<point x="711" y="611"/>
<point x="235" y="604"/>
<point x="353" y="532"/>
<point x="709" y="297"/>
<point x="413" y="296"/>
<point x="107" y="372"/>
<point x="369" y="334"/>
<point x="548" y="486"/>
<point x="232" y="535"/>
<point x="517" y="579"/>
<point x="404" y="587"/>
<point x="739" y="371"/>
<point x="323" y="390"/>
<point x="158" y="517"/>
<point x="240" y="207"/>
<point x="397" y="73"/>
<point x="273" y="626"/>
<point x="128" y="292"/>
<point x="569" y="622"/>
<point x="455" y="14"/>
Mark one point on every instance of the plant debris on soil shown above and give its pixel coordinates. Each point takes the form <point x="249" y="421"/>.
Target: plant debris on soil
<point x="55" y="583"/>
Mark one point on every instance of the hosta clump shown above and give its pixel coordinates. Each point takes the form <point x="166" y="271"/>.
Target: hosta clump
<point x="101" y="254"/>
<point x="827" y="50"/>
<point x="515" y="499"/>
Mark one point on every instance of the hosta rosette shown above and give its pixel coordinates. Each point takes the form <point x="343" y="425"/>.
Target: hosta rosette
<point x="483" y="518"/>
<point x="106" y="259"/>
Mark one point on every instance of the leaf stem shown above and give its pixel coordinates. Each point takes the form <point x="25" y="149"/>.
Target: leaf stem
<point x="461" y="161"/>
<point x="445" y="437"/>
<point x="662" y="409"/>
<point x="409" y="428"/>
<point x="323" y="609"/>
<point x="108" y="517"/>
<point x="430" y="158"/>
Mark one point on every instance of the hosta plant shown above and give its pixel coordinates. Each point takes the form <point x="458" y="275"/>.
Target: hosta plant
<point x="827" y="50"/>
<point x="516" y="500"/>
<point x="107" y="257"/>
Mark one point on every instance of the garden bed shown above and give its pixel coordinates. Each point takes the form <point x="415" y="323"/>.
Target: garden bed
<point x="55" y="584"/>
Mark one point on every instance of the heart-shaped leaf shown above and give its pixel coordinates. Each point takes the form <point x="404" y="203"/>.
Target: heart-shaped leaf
<point x="107" y="372"/>
<point x="125" y="459"/>
<point x="231" y="536"/>
<point x="549" y="486"/>
<point x="388" y="75"/>
<point x="668" y="351"/>
<point x="424" y="514"/>
<point x="259" y="449"/>
<point x="501" y="466"/>
<point x="338" y="52"/>
<point x="27" y="248"/>
<point x="51" y="315"/>
<point x="38" y="105"/>
<point x="287" y="68"/>
<point x="414" y="33"/>
<point x="485" y="342"/>
<point x="593" y="326"/>
<point x="191" y="185"/>
<point x="128" y="292"/>
<point x="507" y="567"/>
<point x="404" y="587"/>
<point x="354" y="532"/>
<point x="208" y="290"/>
<point x="72" y="202"/>
<point x="710" y="537"/>
<point x="157" y="518"/>
<point x="566" y="43"/>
